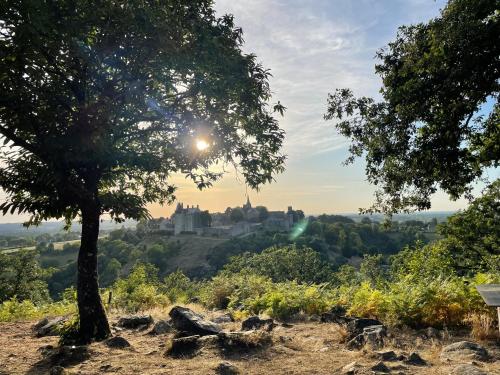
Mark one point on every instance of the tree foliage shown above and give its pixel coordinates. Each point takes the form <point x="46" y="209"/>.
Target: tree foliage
<point x="108" y="99"/>
<point x="434" y="127"/>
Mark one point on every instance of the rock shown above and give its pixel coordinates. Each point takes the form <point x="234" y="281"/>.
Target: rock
<point x="336" y="315"/>
<point x="226" y="368"/>
<point x="117" y="342"/>
<point x="414" y="359"/>
<point x="224" y="318"/>
<point x="161" y="327"/>
<point x="48" y="327"/>
<point x="357" y="325"/>
<point x="351" y="368"/>
<point x="186" y="320"/>
<point x="431" y="333"/>
<point x="254" y="322"/>
<point x="58" y="370"/>
<point x="467" y="370"/>
<point x="380" y="367"/>
<point x="463" y="351"/>
<point x="135" y="321"/>
<point x="356" y="343"/>
<point x="184" y="346"/>
<point x="389" y="355"/>
<point x="241" y="341"/>
<point x="71" y="354"/>
<point x="374" y="336"/>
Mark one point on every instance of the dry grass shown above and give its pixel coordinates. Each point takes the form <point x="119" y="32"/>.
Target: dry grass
<point x="483" y="326"/>
<point x="304" y="348"/>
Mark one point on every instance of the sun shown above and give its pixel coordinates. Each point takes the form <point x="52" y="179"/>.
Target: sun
<point x="201" y="145"/>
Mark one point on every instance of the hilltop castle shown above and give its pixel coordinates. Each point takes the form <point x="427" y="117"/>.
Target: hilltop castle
<point x="232" y="222"/>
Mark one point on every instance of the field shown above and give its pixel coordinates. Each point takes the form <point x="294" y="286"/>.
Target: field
<point x="302" y="348"/>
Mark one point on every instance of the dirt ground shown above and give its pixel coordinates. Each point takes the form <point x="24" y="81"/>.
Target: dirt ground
<point x="304" y="348"/>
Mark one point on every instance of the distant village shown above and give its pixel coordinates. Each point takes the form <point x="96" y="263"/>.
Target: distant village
<point x="233" y="222"/>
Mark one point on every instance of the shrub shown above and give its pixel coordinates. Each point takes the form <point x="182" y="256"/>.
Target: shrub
<point x="179" y="288"/>
<point x="138" y="291"/>
<point x="14" y="310"/>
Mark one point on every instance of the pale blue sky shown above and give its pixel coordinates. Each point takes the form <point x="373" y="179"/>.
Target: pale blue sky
<point x="311" y="48"/>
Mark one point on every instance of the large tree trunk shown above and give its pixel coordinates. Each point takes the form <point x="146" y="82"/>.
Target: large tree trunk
<point x="93" y="321"/>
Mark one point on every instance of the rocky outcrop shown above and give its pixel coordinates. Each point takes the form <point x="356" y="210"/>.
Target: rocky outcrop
<point x="464" y="351"/>
<point x="254" y="322"/>
<point x="415" y="359"/>
<point x="357" y="325"/>
<point x="135" y="321"/>
<point x="186" y="320"/>
<point x="184" y="346"/>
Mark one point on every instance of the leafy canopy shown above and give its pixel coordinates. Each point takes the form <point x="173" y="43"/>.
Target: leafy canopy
<point x="432" y="128"/>
<point x="107" y="99"/>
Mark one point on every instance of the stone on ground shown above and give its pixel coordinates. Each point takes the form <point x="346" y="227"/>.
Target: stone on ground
<point x="117" y="342"/>
<point x="414" y="359"/>
<point x="186" y="320"/>
<point x="227" y="368"/>
<point x="184" y="346"/>
<point x="58" y="370"/>
<point x="380" y="367"/>
<point x="135" y="321"/>
<point x="161" y="327"/>
<point x="464" y="351"/>
<point x="356" y="326"/>
<point x="48" y="327"/>
<point x="374" y="336"/>
<point x="247" y="340"/>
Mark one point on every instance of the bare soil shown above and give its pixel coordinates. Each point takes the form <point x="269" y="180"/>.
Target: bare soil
<point x="304" y="348"/>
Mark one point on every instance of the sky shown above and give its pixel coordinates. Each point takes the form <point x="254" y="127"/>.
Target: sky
<point x="311" y="47"/>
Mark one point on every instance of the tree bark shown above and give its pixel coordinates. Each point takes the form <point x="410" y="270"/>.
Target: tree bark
<point x="93" y="321"/>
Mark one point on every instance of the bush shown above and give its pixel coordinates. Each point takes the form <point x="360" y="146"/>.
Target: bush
<point x="138" y="291"/>
<point x="14" y="310"/>
<point x="179" y="288"/>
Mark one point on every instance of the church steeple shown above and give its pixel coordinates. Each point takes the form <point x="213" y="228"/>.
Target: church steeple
<point x="247" y="205"/>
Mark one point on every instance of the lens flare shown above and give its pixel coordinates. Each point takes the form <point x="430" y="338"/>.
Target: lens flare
<point x="298" y="229"/>
<point x="201" y="145"/>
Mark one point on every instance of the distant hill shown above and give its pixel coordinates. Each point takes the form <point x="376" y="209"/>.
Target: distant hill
<point x="17" y="229"/>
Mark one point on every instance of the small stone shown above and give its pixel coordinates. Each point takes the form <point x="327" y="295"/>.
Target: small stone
<point x="135" y="321"/>
<point x="117" y="342"/>
<point x="227" y="368"/>
<point x="381" y="367"/>
<point x="324" y="350"/>
<point x="467" y="370"/>
<point x="389" y="355"/>
<point x="464" y="351"/>
<point x="414" y="359"/>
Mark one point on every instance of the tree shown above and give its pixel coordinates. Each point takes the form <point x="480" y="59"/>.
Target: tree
<point x="22" y="277"/>
<point x="432" y="128"/>
<point x="237" y="215"/>
<point x="102" y="102"/>
<point x="474" y="231"/>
